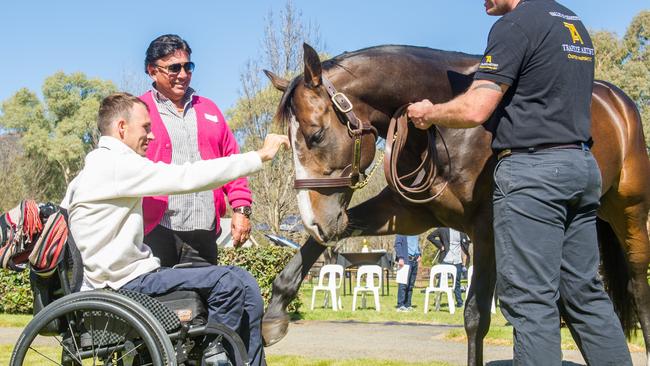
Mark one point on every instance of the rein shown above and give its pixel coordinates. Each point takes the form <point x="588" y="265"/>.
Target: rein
<point x="423" y="177"/>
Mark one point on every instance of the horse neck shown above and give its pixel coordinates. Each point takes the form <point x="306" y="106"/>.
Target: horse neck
<point x="384" y="86"/>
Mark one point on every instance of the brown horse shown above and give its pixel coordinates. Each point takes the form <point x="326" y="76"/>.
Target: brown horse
<point x="377" y="82"/>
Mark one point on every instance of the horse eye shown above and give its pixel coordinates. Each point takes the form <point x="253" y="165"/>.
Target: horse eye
<point x="317" y="137"/>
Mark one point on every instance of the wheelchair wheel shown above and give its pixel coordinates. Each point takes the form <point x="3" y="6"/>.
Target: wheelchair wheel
<point x="96" y="328"/>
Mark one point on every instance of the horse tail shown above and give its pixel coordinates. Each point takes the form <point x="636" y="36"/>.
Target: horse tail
<point x="616" y="275"/>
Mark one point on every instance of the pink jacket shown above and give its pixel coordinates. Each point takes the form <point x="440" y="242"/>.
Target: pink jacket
<point x="215" y="140"/>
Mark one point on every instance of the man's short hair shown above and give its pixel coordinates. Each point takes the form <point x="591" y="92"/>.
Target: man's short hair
<point x="116" y="106"/>
<point x="163" y="46"/>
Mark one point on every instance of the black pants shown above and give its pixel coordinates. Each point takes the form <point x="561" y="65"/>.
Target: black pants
<point x="174" y="247"/>
<point x="547" y="257"/>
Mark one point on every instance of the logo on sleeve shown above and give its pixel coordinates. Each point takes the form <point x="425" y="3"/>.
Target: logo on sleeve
<point x="575" y="36"/>
<point x="577" y="51"/>
<point x="487" y="64"/>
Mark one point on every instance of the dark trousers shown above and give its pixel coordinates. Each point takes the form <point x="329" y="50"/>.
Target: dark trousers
<point x="405" y="290"/>
<point x="457" y="291"/>
<point x="174" y="247"/>
<point x="547" y="257"/>
<point x="232" y="296"/>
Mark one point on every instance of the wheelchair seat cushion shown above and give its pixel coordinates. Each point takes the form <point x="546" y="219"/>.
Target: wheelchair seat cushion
<point x="188" y="306"/>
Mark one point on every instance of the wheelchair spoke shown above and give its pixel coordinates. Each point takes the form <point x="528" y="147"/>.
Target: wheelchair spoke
<point x="122" y="336"/>
<point x="35" y="350"/>
<point x="74" y="356"/>
<point x="131" y="350"/>
<point x="74" y="340"/>
<point x="92" y="338"/>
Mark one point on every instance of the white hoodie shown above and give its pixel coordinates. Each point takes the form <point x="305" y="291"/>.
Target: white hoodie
<point x="104" y="204"/>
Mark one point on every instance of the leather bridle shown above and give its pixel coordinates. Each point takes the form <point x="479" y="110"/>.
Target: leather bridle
<point x="356" y="128"/>
<point x="422" y="178"/>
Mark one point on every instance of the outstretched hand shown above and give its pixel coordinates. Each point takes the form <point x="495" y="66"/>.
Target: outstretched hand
<point x="272" y="144"/>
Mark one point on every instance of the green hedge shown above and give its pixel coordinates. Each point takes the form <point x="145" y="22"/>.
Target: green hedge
<point x="263" y="262"/>
<point x="15" y="294"/>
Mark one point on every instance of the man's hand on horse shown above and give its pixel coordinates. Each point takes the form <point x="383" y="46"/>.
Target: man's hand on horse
<point x="240" y="228"/>
<point x="417" y="113"/>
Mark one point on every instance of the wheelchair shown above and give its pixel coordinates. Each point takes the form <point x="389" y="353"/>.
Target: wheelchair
<point x="120" y="328"/>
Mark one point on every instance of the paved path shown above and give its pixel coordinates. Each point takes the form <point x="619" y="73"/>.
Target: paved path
<point x="393" y="341"/>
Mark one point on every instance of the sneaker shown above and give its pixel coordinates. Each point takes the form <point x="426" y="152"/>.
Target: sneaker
<point x="215" y="355"/>
<point x="410" y="308"/>
<point x="402" y="309"/>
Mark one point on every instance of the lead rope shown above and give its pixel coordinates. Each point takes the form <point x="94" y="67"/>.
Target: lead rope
<point x="424" y="176"/>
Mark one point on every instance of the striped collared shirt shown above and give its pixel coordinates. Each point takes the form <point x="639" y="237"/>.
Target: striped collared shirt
<point x="192" y="211"/>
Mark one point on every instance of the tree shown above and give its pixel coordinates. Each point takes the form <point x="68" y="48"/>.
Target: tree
<point x="57" y="133"/>
<point x="626" y="63"/>
<point x="252" y="117"/>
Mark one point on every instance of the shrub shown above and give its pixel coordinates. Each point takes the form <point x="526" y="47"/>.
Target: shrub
<point x="264" y="263"/>
<point x="15" y="293"/>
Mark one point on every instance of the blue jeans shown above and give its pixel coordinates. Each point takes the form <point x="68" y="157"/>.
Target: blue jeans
<point x="547" y="257"/>
<point x="457" y="292"/>
<point x="232" y="297"/>
<point x="405" y="290"/>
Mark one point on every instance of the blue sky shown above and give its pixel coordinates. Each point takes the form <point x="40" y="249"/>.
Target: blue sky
<point x="107" y="39"/>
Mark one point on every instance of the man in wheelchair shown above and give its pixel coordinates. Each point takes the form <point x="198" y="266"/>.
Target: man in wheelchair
<point x="104" y="204"/>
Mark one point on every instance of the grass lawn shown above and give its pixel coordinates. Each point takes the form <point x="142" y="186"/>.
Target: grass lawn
<point x="499" y="334"/>
<point x="5" y="355"/>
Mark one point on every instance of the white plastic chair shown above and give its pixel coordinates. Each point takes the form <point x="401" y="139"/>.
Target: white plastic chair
<point x="332" y="271"/>
<point x="443" y="272"/>
<point x="369" y="271"/>
<point x="470" y="272"/>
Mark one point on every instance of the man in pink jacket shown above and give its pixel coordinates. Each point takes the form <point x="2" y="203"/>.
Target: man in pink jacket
<point x="188" y="128"/>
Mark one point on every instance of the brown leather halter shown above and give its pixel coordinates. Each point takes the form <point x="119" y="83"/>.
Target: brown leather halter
<point x="356" y="129"/>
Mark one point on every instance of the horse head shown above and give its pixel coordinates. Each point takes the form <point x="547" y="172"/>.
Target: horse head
<point x="332" y="144"/>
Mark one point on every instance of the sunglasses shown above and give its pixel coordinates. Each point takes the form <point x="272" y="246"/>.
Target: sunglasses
<point x="176" y="68"/>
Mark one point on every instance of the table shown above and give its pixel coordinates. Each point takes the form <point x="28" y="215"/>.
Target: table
<point x="352" y="260"/>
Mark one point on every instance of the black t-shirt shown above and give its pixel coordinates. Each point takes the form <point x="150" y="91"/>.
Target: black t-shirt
<point x="543" y="52"/>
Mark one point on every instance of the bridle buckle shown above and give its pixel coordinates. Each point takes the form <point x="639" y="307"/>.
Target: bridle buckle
<point x="344" y="105"/>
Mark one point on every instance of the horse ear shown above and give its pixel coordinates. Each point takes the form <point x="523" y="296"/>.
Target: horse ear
<point x="278" y="82"/>
<point x="313" y="68"/>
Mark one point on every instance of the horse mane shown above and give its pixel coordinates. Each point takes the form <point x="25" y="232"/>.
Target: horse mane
<point x="284" y="108"/>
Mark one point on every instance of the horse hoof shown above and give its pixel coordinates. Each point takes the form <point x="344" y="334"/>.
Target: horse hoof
<point x="273" y="330"/>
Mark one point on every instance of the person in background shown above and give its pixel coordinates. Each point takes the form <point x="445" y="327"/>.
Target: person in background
<point x="407" y="251"/>
<point x="184" y="228"/>
<point x="453" y="246"/>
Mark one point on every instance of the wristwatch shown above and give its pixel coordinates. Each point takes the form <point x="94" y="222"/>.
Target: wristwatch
<point x="244" y="210"/>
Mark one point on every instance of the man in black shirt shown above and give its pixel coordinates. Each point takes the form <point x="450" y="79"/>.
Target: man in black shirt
<point x="535" y="82"/>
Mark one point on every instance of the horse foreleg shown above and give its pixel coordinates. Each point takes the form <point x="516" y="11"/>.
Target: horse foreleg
<point x="479" y="299"/>
<point x="285" y="288"/>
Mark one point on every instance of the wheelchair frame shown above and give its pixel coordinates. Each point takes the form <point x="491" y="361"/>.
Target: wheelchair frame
<point x="67" y="315"/>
